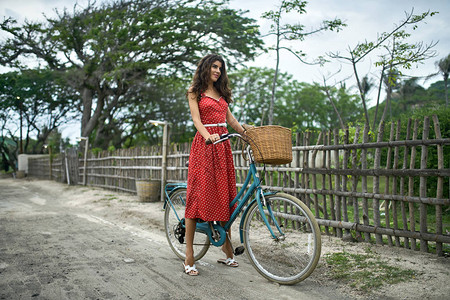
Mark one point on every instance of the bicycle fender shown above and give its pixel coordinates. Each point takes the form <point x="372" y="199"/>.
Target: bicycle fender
<point x="170" y="189"/>
<point x="241" y="224"/>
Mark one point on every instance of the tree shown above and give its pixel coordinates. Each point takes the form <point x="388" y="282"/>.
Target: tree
<point x="9" y="144"/>
<point x="104" y="51"/>
<point x="299" y="105"/>
<point x="347" y="104"/>
<point x="159" y="103"/>
<point x="251" y="89"/>
<point x="436" y="93"/>
<point x="309" y="106"/>
<point x="398" y="55"/>
<point x="444" y="69"/>
<point x="410" y="93"/>
<point x="408" y="96"/>
<point x="40" y="99"/>
<point x="327" y="90"/>
<point x="289" y="32"/>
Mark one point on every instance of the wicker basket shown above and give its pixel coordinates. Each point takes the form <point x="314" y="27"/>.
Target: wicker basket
<point x="271" y="144"/>
<point x="148" y="190"/>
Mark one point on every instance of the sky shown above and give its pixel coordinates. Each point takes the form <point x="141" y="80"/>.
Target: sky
<point x="365" y="20"/>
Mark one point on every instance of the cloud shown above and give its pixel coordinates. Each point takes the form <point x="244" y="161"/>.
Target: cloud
<point x="365" y="20"/>
<point x="11" y="13"/>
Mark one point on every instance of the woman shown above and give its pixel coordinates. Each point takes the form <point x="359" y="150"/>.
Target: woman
<point x="211" y="179"/>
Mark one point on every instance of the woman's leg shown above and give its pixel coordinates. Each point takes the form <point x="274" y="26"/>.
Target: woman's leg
<point x="190" y="231"/>
<point x="226" y="248"/>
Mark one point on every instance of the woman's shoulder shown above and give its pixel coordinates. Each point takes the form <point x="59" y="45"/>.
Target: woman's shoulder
<point x="192" y="90"/>
<point x="192" y="94"/>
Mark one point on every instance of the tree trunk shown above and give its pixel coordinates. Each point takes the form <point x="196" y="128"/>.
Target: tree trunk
<point x="388" y="101"/>
<point x="275" y="77"/>
<point x="335" y="108"/>
<point x="86" y="96"/>
<point x="274" y="85"/>
<point x="88" y="121"/>
<point x="446" y="89"/>
<point x="378" y="97"/>
<point x="363" y="98"/>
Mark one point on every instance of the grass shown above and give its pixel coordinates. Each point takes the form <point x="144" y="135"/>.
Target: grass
<point x="110" y="197"/>
<point x="364" y="272"/>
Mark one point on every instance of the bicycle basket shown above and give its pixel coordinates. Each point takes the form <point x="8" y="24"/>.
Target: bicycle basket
<point x="271" y="144"/>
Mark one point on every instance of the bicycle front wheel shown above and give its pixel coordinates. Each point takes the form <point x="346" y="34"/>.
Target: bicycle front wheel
<point x="174" y="228"/>
<point x="293" y="255"/>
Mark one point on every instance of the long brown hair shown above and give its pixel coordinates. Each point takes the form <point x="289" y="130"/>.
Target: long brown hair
<point x="203" y="74"/>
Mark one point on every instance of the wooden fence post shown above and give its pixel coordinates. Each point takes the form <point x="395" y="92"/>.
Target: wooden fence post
<point x="440" y="183"/>
<point x="423" y="185"/>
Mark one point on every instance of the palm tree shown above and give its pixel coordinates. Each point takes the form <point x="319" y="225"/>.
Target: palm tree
<point x="444" y="69"/>
<point x="406" y="90"/>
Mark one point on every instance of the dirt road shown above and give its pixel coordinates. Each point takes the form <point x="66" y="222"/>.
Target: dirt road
<point x="74" y="242"/>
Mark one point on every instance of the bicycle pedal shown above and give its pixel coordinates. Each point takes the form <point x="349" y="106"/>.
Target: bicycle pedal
<point x="239" y="250"/>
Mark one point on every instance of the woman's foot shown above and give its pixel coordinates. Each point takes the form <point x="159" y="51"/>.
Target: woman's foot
<point x="191" y="271"/>
<point x="229" y="262"/>
<point x="189" y="264"/>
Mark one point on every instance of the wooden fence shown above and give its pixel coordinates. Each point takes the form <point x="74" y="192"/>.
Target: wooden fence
<point x="392" y="191"/>
<point x="62" y="168"/>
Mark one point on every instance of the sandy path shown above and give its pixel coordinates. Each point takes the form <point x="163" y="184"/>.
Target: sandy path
<point x="432" y="279"/>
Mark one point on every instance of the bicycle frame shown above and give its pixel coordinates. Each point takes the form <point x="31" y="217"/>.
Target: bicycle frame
<point x="242" y="198"/>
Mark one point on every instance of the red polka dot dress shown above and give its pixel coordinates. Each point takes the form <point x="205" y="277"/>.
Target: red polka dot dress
<point x="211" y="179"/>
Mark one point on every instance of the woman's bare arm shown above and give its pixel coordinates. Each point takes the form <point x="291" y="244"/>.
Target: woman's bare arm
<point x="231" y="120"/>
<point x="195" y="113"/>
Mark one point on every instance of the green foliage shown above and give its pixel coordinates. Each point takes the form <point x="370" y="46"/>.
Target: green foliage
<point x="107" y="52"/>
<point x="414" y="112"/>
<point x="8" y="148"/>
<point x="365" y="272"/>
<point x="111" y="149"/>
<point x="442" y="114"/>
<point x="444" y="69"/>
<point x="409" y="96"/>
<point x="162" y="99"/>
<point x="298" y="105"/>
<point x="436" y="93"/>
<point x="95" y="151"/>
<point x="40" y="99"/>
<point x="251" y="91"/>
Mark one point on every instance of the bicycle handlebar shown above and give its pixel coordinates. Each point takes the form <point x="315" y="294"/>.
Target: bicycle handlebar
<point x="227" y="136"/>
<point x="224" y="137"/>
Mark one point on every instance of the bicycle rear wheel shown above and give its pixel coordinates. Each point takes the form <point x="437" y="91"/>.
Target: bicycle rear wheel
<point x="175" y="229"/>
<point x="290" y="258"/>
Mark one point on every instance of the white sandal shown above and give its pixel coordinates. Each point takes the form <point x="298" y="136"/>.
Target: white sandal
<point x="191" y="271"/>
<point x="231" y="262"/>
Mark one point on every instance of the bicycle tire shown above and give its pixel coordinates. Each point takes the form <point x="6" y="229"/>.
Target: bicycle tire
<point x="287" y="261"/>
<point x="201" y="240"/>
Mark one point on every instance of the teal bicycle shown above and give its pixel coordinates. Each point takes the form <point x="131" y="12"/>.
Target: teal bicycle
<point x="280" y="234"/>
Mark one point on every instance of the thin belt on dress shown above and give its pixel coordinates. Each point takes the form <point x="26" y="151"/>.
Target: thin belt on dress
<point x="216" y="125"/>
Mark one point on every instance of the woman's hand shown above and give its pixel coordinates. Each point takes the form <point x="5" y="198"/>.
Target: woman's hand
<point x="246" y="126"/>
<point x="213" y="137"/>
